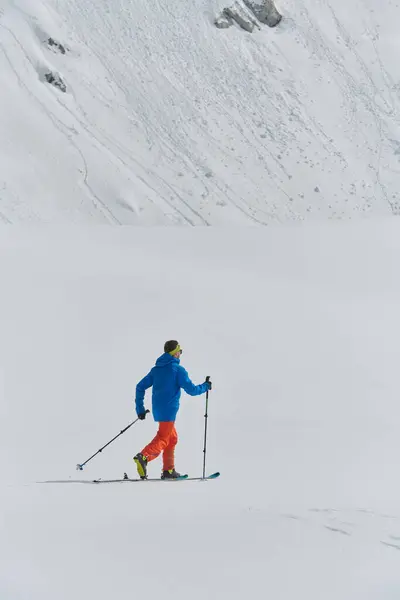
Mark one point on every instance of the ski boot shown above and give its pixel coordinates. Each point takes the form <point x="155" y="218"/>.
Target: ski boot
<point x="171" y="474"/>
<point x="141" y="465"/>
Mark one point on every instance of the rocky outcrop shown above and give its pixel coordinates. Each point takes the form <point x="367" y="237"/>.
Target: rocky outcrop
<point x="248" y="14"/>
<point x="223" y="21"/>
<point x="56" y="80"/>
<point x="265" y="11"/>
<point x="54" y="45"/>
<point x="237" y="13"/>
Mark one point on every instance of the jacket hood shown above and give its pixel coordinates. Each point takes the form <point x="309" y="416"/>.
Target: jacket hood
<point x="165" y="360"/>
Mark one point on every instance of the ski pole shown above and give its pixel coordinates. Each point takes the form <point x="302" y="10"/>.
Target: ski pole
<point x="205" y="432"/>
<point x="79" y="467"/>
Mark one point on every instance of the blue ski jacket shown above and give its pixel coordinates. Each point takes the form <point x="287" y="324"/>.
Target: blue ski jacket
<point x="167" y="378"/>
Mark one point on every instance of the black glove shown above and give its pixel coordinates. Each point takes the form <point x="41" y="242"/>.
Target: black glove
<point x="142" y="416"/>
<point x="208" y="382"/>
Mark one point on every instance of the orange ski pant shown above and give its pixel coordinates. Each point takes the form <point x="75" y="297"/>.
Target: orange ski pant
<point x="165" y="441"/>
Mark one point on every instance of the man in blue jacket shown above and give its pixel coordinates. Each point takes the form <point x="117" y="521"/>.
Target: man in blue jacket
<point x="167" y="378"/>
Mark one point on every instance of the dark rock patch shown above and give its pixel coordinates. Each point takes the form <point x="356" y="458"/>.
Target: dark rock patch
<point x="56" y="45"/>
<point x="265" y="11"/>
<point x="248" y="14"/>
<point x="55" y="80"/>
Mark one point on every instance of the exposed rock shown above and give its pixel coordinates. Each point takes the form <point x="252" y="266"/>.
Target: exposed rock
<point x="237" y="13"/>
<point x="56" y="45"/>
<point x="223" y="21"/>
<point x="55" y="79"/>
<point x="248" y="14"/>
<point x="265" y="11"/>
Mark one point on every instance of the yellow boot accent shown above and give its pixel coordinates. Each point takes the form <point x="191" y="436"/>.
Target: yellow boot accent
<point x="140" y="469"/>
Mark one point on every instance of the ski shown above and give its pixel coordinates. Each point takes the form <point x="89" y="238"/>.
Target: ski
<point x="180" y="478"/>
<point x="124" y="480"/>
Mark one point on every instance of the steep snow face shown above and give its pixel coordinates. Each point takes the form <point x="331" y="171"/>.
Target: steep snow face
<point x="147" y="113"/>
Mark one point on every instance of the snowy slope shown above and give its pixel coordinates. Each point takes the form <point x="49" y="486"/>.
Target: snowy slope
<point x="299" y="329"/>
<point x="169" y="120"/>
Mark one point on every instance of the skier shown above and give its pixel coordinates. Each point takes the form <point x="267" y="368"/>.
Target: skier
<point x="167" y="378"/>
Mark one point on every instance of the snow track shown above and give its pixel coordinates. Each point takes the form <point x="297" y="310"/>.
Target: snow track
<point x="168" y="120"/>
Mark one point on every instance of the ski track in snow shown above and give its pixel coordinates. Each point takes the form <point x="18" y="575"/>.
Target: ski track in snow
<point x="64" y="129"/>
<point x="360" y="523"/>
<point x="234" y="129"/>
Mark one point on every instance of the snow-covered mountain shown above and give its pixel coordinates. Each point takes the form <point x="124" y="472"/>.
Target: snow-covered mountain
<point x="197" y="112"/>
<point x="128" y="112"/>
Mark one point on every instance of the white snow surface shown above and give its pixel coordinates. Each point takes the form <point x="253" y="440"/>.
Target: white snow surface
<point x="299" y="328"/>
<point x="168" y="120"/>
